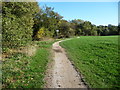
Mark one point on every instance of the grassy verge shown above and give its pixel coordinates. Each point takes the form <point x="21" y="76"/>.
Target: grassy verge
<point x="21" y="71"/>
<point x="96" y="57"/>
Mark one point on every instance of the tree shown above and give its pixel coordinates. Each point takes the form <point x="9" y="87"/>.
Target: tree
<point x="113" y="30"/>
<point x="46" y="18"/>
<point x="64" y="27"/>
<point x="102" y="30"/>
<point x="119" y="29"/>
<point x="86" y="27"/>
<point x="76" y="26"/>
<point x="94" y="30"/>
<point x="107" y="30"/>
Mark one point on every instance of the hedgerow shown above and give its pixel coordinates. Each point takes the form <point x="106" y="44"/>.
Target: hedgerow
<point x="17" y="23"/>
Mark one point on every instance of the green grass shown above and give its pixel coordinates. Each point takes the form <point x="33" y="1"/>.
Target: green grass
<point x="21" y="71"/>
<point x="96" y="57"/>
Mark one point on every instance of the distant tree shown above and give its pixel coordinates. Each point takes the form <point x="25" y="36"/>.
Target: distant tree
<point x="86" y="27"/>
<point x="77" y="21"/>
<point x="94" y="30"/>
<point x="107" y="30"/>
<point x="119" y="29"/>
<point x="64" y="27"/>
<point x="99" y="30"/>
<point x="76" y="26"/>
<point x="113" y="30"/>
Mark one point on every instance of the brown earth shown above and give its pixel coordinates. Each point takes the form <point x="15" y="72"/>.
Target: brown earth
<point x="61" y="73"/>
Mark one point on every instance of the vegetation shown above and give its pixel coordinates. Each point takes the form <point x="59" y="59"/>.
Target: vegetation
<point x="17" y="23"/>
<point x="48" y="20"/>
<point x="52" y="21"/>
<point x="22" y="71"/>
<point x="96" y="57"/>
<point x="25" y="22"/>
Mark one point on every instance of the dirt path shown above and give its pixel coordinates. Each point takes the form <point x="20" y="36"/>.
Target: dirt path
<point x="61" y="73"/>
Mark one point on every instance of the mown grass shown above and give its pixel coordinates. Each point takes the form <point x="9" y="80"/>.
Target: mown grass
<point x="96" y="57"/>
<point x="21" y="71"/>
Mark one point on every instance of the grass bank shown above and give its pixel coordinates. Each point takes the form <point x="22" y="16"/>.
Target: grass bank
<point x="21" y="71"/>
<point x="96" y="57"/>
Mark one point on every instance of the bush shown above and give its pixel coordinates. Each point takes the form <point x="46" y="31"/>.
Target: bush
<point x="40" y="34"/>
<point x="17" y="23"/>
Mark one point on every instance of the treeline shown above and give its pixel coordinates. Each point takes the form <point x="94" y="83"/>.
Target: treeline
<point x="23" y="22"/>
<point x="48" y="21"/>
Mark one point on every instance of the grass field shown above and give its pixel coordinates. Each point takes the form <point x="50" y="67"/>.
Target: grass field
<point x="21" y="71"/>
<point x="96" y="57"/>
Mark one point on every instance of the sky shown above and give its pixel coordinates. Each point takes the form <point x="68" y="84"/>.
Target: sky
<point x="78" y="0"/>
<point x="98" y="13"/>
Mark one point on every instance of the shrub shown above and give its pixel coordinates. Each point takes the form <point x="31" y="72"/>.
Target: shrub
<point x="40" y="34"/>
<point x="17" y="23"/>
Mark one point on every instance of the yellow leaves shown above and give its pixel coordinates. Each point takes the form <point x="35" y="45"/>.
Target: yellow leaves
<point x="41" y="33"/>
